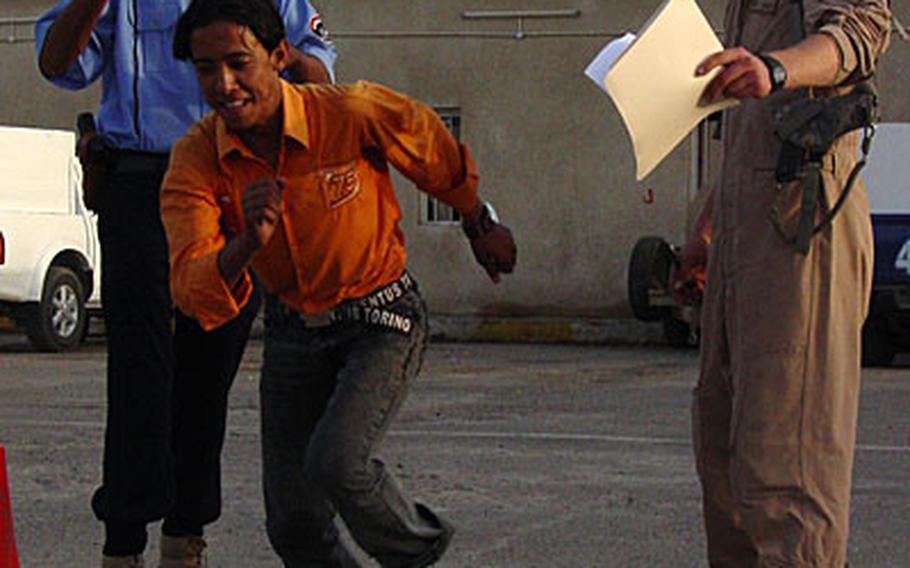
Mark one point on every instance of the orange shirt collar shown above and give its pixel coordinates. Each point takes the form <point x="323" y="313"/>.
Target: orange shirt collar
<point x="294" y="124"/>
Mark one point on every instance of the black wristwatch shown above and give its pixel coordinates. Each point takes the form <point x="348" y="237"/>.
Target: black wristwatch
<point x="488" y="219"/>
<point x="776" y="72"/>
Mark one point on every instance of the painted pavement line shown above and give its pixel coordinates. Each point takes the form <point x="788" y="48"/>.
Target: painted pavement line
<point x="545" y="436"/>
<point x="477" y="434"/>
<point x="553" y="436"/>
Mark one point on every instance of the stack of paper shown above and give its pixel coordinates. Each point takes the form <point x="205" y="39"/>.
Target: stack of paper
<point x="651" y="79"/>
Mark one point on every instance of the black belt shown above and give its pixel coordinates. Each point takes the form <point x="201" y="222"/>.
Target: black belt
<point x="369" y="308"/>
<point x="137" y="162"/>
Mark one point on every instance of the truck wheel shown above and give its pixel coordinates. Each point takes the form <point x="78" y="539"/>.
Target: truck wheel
<point x="878" y="346"/>
<point x="58" y="322"/>
<point x="649" y="269"/>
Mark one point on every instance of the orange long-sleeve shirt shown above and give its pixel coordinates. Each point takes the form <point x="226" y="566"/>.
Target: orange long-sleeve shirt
<point x="338" y="236"/>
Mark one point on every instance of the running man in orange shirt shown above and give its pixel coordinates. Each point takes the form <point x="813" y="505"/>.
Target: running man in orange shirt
<point x="293" y="181"/>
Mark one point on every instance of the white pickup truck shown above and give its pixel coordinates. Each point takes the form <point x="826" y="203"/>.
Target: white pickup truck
<point x="50" y="278"/>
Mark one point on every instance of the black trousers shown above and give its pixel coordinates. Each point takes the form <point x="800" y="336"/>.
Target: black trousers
<point x="206" y="364"/>
<point x="138" y="470"/>
<point x="163" y="438"/>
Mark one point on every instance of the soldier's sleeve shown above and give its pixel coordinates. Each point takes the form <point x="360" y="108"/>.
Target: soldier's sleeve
<point x="861" y="29"/>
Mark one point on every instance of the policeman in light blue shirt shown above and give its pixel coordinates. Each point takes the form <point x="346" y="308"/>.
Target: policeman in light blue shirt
<point x="148" y="99"/>
<point x="167" y="394"/>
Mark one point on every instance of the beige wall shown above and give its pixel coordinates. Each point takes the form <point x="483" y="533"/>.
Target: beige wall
<point x="552" y="152"/>
<point x="25" y="98"/>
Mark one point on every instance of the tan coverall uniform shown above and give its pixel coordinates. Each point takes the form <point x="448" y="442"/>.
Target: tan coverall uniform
<point x="775" y="408"/>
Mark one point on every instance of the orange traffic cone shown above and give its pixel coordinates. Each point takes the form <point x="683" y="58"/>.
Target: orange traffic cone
<point x="8" y="556"/>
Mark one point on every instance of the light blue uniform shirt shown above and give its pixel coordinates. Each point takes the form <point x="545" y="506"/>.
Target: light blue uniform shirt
<point x="148" y="98"/>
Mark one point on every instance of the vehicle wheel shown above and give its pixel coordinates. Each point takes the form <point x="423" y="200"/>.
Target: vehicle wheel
<point x="878" y="346"/>
<point x="649" y="269"/>
<point x="59" y="321"/>
<point x="679" y="333"/>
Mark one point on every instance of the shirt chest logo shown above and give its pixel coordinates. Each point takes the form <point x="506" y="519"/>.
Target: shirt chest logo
<point x="763" y="6"/>
<point x="339" y="184"/>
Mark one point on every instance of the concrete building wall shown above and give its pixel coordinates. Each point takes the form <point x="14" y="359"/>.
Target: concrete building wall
<point x="553" y="155"/>
<point x="552" y="152"/>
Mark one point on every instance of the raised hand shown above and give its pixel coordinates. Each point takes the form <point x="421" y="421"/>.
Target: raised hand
<point x="261" y="210"/>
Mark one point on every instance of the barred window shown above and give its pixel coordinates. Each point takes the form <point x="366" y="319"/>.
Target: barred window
<point x="433" y="211"/>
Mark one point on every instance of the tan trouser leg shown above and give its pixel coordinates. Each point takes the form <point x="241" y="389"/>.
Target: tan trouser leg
<point x="796" y="385"/>
<point x="776" y="406"/>
<point x="728" y="544"/>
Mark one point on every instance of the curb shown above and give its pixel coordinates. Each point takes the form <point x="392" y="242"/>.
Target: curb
<point x="544" y="330"/>
<point x="483" y="329"/>
<point x="594" y="331"/>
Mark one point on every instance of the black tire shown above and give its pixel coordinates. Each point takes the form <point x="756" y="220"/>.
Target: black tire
<point x="649" y="269"/>
<point x="59" y="321"/>
<point x="678" y="333"/>
<point x="879" y="347"/>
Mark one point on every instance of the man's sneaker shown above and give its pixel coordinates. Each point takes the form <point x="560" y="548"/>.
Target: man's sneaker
<point x="430" y="556"/>
<point x="134" y="561"/>
<point x="182" y="552"/>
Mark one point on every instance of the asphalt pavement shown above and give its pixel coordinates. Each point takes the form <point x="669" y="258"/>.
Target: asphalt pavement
<point x="541" y="455"/>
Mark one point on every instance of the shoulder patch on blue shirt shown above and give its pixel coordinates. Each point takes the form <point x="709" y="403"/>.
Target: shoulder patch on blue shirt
<point x="318" y="28"/>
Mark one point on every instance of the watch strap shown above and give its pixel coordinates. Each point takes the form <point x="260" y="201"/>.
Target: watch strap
<point x="776" y="72"/>
<point x="483" y="225"/>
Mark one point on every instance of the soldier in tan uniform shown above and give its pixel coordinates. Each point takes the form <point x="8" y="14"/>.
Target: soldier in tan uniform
<point x="775" y="409"/>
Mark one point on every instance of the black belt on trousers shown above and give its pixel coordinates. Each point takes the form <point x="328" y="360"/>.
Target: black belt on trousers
<point x="137" y="162"/>
<point x="369" y="308"/>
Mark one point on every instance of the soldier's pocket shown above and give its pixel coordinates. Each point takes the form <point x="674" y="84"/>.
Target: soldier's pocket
<point x="766" y="422"/>
<point x="788" y="197"/>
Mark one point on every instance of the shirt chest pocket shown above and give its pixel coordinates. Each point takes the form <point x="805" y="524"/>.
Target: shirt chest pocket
<point x="328" y="194"/>
<point x="155" y="25"/>
<point x="770" y="25"/>
<point x="763" y="6"/>
<point x="339" y="185"/>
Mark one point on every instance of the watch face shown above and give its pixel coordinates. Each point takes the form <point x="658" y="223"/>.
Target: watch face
<point x="491" y="212"/>
<point x="776" y="72"/>
<point x="780" y="75"/>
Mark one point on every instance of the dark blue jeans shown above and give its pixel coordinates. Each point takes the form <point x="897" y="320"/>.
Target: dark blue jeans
<point x="328" y="397"/>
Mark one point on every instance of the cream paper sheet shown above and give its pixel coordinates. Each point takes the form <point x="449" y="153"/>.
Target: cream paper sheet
<point x="652" y="81"/>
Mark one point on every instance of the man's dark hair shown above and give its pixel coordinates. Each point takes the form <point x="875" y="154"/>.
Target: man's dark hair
<point x="260" y="16"/>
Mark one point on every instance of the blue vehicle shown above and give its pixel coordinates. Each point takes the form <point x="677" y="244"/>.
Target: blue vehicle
<point x="887" y="180"/>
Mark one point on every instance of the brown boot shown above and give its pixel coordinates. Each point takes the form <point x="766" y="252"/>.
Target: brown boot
<point x="182" y="552"/>
<point x="134" y="561"/>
